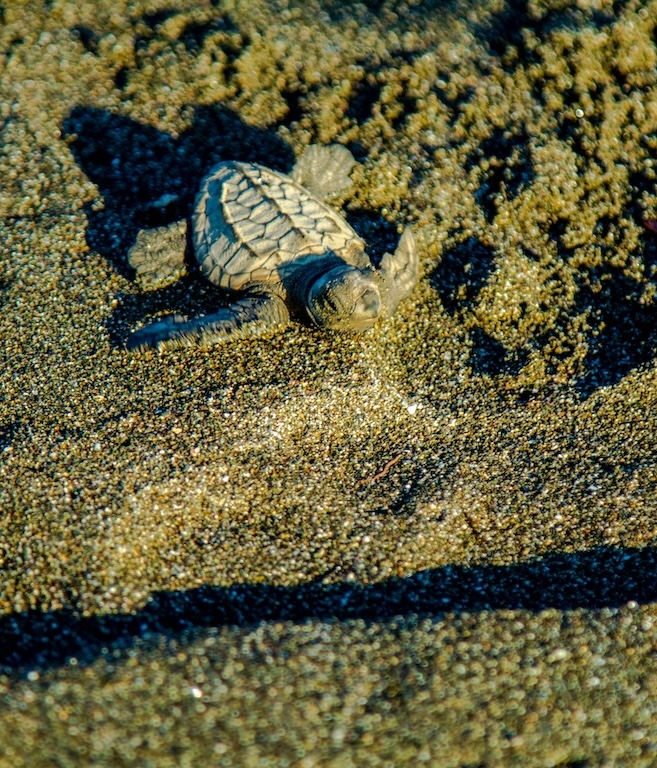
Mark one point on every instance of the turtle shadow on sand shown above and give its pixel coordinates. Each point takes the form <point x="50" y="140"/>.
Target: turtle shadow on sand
<point x="600" y="578"/>
<point x="148" y="178"/>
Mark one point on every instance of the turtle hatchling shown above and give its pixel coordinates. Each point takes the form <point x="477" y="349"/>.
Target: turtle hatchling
<point x="272" y="240"/>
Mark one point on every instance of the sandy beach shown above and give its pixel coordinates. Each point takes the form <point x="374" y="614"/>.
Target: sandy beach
<point x="432" y="543"/>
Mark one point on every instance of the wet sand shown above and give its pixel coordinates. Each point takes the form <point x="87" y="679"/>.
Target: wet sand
<point x="429" y="544"/>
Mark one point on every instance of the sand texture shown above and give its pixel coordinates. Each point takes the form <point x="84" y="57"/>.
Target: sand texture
<point x="433" y="543"/>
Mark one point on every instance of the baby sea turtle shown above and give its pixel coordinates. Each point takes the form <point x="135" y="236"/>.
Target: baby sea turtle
<point x="271" y="238"/>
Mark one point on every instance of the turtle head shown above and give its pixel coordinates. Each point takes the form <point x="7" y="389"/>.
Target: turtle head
<point x="344" y="299"/>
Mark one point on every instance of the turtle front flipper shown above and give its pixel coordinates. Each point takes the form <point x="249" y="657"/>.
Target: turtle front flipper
<point x="257" y="314"/>
<point x="399" y="272"/>
<point x="324" y="170"/>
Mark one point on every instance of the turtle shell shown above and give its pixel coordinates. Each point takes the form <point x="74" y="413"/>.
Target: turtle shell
<point x="251" y="223"/>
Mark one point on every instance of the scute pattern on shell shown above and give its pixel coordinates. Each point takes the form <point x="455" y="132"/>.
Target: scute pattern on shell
<point x="250" y="222"/>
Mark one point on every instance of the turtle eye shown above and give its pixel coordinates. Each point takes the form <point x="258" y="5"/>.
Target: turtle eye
<point x="330" y="302"/>
<point x="333" y="303"/>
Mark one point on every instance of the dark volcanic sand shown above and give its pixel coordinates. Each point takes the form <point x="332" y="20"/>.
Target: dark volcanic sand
<point x="433" y="543"/>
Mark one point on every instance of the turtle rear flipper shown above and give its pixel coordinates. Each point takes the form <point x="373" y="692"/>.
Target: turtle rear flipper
<point x="399" y="271"/>
<point x="254" y="315"/>
<point x="324" y="170"/>
<point x="158" y="255"/>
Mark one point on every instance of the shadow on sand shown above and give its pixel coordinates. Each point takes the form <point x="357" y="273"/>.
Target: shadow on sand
<point x="623" y="327"/>
<point x="604" y="577"/>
